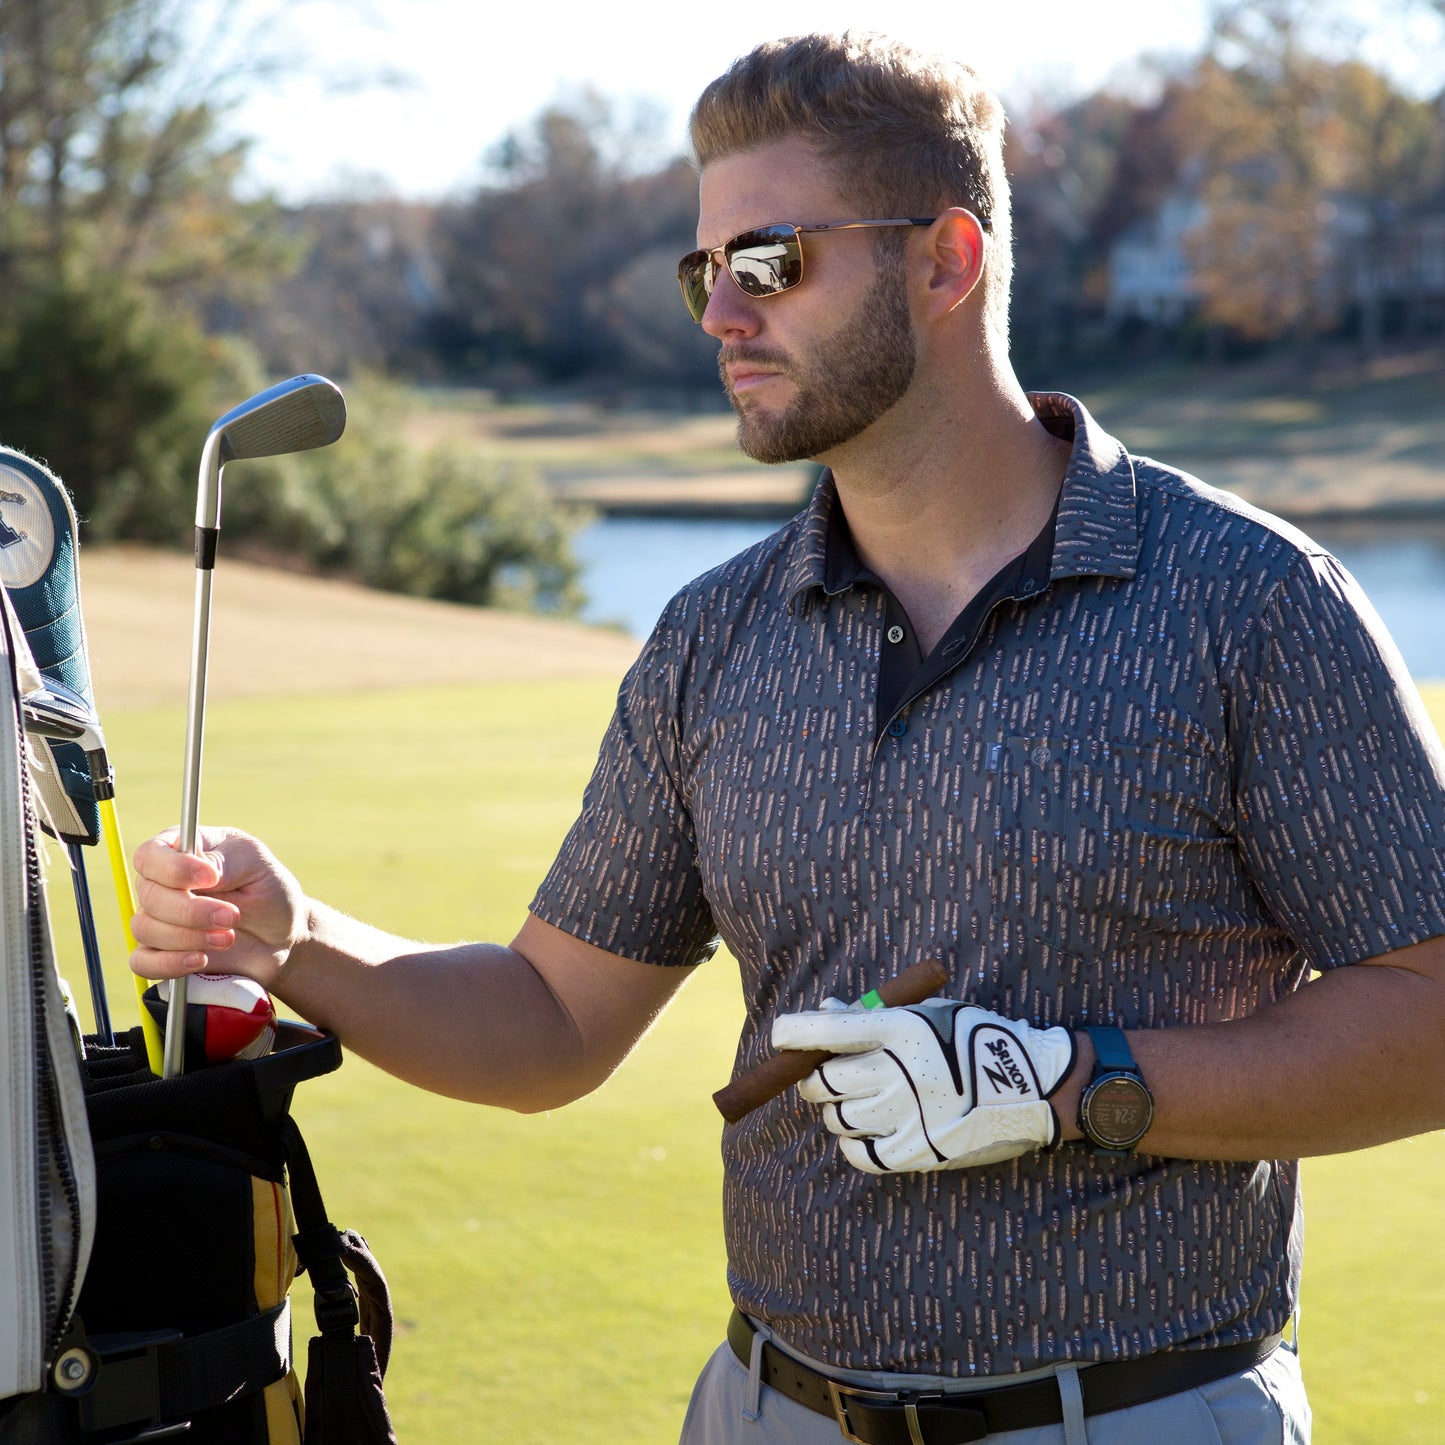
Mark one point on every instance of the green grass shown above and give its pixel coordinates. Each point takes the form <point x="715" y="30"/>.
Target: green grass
<point x="560" y="1278"/>
<point x="1270" y="407"/>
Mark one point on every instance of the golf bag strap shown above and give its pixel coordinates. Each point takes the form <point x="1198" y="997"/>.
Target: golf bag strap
<point x="207" y="1370"/>
<point x="373" y="1294"/>
<point x="345" y="1404"/>
<point x="163" y="1376"/>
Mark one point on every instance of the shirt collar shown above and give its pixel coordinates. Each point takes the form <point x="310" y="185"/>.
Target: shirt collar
<point x="1096" y="534"/>
<point x="1098" y="528"/>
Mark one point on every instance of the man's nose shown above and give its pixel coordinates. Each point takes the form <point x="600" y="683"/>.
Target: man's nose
<point x="729" y="312"/>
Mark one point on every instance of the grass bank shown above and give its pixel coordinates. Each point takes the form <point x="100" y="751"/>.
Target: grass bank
<point x="1348" y="437"/>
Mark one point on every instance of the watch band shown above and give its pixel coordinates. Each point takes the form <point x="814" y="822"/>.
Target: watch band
<point x="1112" y="1050"/>
<point x="1117" y="1107"/>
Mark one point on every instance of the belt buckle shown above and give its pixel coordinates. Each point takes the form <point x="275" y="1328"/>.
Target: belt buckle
<point x="909" y="1401"/>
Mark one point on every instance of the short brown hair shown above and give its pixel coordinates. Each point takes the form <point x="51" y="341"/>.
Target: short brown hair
<point x="908" y="133"/>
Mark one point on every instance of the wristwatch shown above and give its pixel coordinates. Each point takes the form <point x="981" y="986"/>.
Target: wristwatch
<point x="1117" y="1107"/>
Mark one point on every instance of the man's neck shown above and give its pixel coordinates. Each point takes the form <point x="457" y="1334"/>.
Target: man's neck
<point x="938" y="502"/>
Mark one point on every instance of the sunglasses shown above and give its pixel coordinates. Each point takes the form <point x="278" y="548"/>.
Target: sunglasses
<point x="765" y="261"/>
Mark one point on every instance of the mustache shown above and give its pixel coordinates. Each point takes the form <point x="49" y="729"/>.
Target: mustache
<point x="757" y="355"/>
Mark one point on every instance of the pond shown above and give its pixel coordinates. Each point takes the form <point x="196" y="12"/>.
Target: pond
<point x="633" y="565"/>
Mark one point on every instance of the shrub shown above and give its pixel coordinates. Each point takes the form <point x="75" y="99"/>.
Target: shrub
<point x="113" y="398"/>
<point x="442" y="522"/>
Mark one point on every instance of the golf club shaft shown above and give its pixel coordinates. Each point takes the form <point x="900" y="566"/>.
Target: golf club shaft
<point x="175" y="1045"/>
<point x="126" y="901"/>
<point x="90" y="944"/>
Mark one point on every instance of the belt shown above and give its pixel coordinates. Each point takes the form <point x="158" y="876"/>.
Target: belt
<point x="931" y="1417"/>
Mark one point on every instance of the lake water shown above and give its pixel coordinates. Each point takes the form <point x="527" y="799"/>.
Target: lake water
<point x="633" y="565"/>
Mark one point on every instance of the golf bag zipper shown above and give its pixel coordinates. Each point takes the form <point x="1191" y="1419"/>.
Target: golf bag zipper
<point x="64" y="1298"/>
<point x="52" y="1157"/>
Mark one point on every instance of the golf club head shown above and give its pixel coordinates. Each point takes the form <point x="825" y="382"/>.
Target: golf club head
<point x="292" y="416"/>
<point x="57" y="711"/>
<point x="296" y="415"/>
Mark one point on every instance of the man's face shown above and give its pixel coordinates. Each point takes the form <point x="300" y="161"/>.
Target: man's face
<point x="811" y="368"/>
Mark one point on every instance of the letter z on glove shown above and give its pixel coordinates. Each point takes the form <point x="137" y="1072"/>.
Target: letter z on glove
<point x="936" y="1085"/>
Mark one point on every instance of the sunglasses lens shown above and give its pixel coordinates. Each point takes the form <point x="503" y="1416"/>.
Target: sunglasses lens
<point x="694" y="275"/>
<point x="765" y="261"/>
<point x="762" y="262"/>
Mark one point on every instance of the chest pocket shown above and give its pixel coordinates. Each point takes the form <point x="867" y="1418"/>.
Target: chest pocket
<point x="1097" y="843"/>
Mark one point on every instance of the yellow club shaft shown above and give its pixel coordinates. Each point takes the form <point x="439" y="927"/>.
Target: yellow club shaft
<point x="125" y="899"/>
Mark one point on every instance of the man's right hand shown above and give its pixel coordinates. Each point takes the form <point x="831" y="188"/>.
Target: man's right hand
<point x="232" y="906"/>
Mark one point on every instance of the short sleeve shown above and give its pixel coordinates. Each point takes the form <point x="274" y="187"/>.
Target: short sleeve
<point x="626" y="877"/>
<point x="1341" y="774"/>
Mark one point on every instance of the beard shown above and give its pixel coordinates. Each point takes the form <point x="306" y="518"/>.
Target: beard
<point x="844" y="384"/>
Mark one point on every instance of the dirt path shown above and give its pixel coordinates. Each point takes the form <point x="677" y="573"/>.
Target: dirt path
<point x="276" y="633"/>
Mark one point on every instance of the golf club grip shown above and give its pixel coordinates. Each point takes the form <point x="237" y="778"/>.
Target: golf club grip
<point x="746" y="1092"/>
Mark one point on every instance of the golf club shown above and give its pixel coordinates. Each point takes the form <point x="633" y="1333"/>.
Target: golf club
<point x="296" y="415"/>
<point x="90" y="944"/>
<point x="59" y="713"/>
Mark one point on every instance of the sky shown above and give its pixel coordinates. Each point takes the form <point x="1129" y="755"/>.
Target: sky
<point x="467" y="71"/>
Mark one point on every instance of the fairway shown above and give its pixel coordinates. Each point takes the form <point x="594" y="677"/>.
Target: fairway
<point x="560" y="1277"/>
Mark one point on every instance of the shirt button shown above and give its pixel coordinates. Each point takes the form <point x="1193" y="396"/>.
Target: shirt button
<point x="1040" y="757"/>
<point x="895" y="633"/>
<point x="1028" y="587"/>
<point x="897" y="728"/>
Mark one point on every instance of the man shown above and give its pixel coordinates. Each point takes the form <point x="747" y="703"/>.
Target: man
<point x="1122" y="753"/>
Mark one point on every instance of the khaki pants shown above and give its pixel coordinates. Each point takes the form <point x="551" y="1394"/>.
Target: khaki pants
<point x="1262" y="1406"/>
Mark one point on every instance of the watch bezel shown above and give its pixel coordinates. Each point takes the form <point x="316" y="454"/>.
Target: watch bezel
<point x="1112" y="1082"/>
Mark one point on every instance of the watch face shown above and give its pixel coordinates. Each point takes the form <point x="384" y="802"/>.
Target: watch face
<point x="1117" y="1111"/>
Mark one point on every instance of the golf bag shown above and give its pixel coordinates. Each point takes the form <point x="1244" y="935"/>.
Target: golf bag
<point x="206" y="1205"/>
<point x="150" y="1229"/>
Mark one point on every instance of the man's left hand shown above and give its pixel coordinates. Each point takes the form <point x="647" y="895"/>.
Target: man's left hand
<point x="936" y="1085"/>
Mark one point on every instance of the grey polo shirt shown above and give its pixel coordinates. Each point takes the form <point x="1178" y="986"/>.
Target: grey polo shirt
<point x="1151" y="783"/>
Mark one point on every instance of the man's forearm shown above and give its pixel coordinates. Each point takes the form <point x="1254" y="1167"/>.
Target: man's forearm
<point x="529" y="1026"/>
<point x="1351" y="1060"/>
<point x="474" y="1021"/>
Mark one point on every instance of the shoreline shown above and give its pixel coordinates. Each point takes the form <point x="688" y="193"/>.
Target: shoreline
<point x="684" y="499"/>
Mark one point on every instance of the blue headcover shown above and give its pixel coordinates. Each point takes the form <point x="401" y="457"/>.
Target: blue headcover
<point x="38" y="570"/>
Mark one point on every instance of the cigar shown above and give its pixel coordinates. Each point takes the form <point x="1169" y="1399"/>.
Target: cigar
<point x="790" y="1066"/>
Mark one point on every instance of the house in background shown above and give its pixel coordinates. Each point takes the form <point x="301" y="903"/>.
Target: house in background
<point x="1387" y="275"/>
<point x="1150" y="278"/>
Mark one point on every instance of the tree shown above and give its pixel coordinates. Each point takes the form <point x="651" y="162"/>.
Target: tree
<point x="541" y="265"/>
<point x="1396" y="166"/>
<point x="114" y="398"/>
<point x="365" y="296"/>
<point x="111" y="157"/>
<point x="1305" y="161"/>
<point x="119" y="224"/>
<point x="1063" y="168"/>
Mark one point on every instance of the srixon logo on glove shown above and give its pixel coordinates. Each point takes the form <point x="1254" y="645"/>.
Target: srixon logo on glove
<point x="1003" y="1072"/>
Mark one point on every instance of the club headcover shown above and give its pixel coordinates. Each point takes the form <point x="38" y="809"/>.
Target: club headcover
<point x="227" y="1017"/>
<point x="38" y="569"/>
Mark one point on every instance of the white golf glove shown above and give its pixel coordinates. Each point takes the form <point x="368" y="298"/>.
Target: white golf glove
<point x="936" y="1085"/>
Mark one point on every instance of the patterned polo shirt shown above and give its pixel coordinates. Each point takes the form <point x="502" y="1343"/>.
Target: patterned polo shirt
<point x="1154" y="782"/>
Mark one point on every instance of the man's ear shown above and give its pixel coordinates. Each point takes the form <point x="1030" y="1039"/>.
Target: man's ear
<point x="956" y="251"/>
